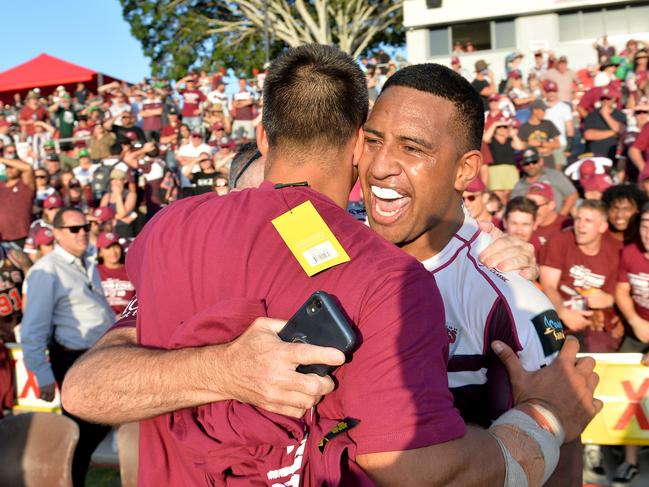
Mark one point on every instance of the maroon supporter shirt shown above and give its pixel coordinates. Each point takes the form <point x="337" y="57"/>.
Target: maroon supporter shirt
<point x="204" y="258"/>
<point x="15" y="210"/>
<point x="582" y="273"/>
<point x="191" y="102"/>
<point x="28" y="114"/>
<point x="634" y="269"/>
<point x="642" y="143"/>
<point x="153" y="122"/>
<point x="545" y="233"/>
<point x="118" y="289"/>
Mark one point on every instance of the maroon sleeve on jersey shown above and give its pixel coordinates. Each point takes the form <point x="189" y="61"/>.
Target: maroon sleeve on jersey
<point x="128" y="318"/>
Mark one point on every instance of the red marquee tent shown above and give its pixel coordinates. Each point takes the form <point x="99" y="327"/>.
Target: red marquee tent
<point x="47" y="72"/>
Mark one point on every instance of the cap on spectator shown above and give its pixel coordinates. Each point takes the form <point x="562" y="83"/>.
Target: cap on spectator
<point x="538" y="105"/>
<point x="494" y="97"/>
<point x="74" y="183"/>
<point x="218" y="126"/>
<point x="542" y="189"/>
<point x="84" y="153"/>
<point x="106" y="239"/>
<point x="587" y="170"/>
<point x="455" y="60"/>
<point x="32" y="95"/>
<point x="609" y="93"/>
<point x="49" y="144"/>
<point x="102" y="214"/>
<point x="44" y="236"/>
<point x="476" y="186"/>
<point x="530" y="155"/>
<point x="197" y="133"/>
<point x="599" y="182"/>
<point x="512" y="56"/>
<point x="550" y="86"/>
<point x="481" y="65"/>
<point x="538" y="54"/>
<point x="52" y="202"/>
<point x="225" y="142"/>
<point x="172" y="111"/>
<point x="117" y="174"/>
<point x="514" y="74"/>
<point x="562" y="59"/>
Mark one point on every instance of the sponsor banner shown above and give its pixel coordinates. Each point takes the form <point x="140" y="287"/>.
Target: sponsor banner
<point x="624" y="389"/>
<point x="27" y="390"/>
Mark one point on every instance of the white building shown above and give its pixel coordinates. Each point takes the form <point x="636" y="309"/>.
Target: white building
<point x="498" y="27"/>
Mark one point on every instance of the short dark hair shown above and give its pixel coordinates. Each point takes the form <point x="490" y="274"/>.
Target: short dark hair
<point x="596" y="205"/>
<point x="644" y="209"/>
<point x="438" y="80"/>
<point x="629" y="192"/>
<point x="522" y="204"/>
<point x="241" y="161"/>
<point x="115" y="149"/>
<point x="314" y="95"/>
<point x="57" y="221"/>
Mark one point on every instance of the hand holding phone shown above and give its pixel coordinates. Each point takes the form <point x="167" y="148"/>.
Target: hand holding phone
<point x="320" y="321"/>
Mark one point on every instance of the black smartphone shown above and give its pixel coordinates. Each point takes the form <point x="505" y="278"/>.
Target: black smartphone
<point x="320" y="321"/>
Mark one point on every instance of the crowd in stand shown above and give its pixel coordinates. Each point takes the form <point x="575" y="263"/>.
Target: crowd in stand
<point x="566" y="155"/>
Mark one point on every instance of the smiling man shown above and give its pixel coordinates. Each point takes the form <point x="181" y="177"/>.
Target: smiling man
<point x="417" y="164"/>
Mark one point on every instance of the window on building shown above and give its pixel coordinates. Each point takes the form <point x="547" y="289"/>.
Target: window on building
<point x="477" y="33"/>
<point x="504" y="34"/>
<point x="593" y="23"/>
<point x="439" y="42"/>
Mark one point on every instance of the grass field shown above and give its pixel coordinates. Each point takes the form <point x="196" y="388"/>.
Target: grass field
<point x="103" y="477"/>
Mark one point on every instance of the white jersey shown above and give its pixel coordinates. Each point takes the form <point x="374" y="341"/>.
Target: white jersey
<point x="482" y="305"/>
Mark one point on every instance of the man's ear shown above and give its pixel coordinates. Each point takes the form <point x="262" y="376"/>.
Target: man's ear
<point x="468" y="168"/>
<point x="359" y="147"/>
<point x="262" y="139"/>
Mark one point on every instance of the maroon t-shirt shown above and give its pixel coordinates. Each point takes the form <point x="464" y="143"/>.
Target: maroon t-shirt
<point x="395" y="385"/>
<point x="15" y="210"/>
<point x="545" y="233"/>
<point x="582" y="273"/>
<point x="118" y="289"/>
<point x="191" y="102"/>
<point x="28" y="114"/>
<point x="634" y="269"/>
<point x="642" y="143"/>
<point x="154" y="122"/>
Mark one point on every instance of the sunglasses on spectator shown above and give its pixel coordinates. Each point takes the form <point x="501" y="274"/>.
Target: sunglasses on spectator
<point x="529" y="163"/>
<point x="471" y="198"/>
<point x="77" y="228"/>
<point x="203" y="160"/>
<point x="41" y="176"/>
<point x="254" y="157"/>
<point x="641" y="112"/>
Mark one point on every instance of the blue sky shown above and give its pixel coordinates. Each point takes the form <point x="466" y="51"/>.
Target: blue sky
<point x="91" y="33"/>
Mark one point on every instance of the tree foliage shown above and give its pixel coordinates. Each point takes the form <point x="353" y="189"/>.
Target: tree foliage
<point x="179" y="35"/>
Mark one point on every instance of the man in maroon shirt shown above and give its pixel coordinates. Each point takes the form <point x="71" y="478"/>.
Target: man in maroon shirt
<point x="16" y="198"/>
<point x="192" y="101"/>
<point x="280" y="294"/>
<point x="151" y="114"/>
<point x="578" y="273"/>
<point x="639" y="151"/>
<point x="118" y="288"/>
<point x="32" y="112"/>
<point x="549" y="222"/>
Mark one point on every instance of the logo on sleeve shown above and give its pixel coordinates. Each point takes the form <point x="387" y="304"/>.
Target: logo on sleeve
<point x="550" y="330"/>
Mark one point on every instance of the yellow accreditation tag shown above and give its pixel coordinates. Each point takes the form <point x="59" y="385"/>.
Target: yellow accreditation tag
<point x="309" y="239"/>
